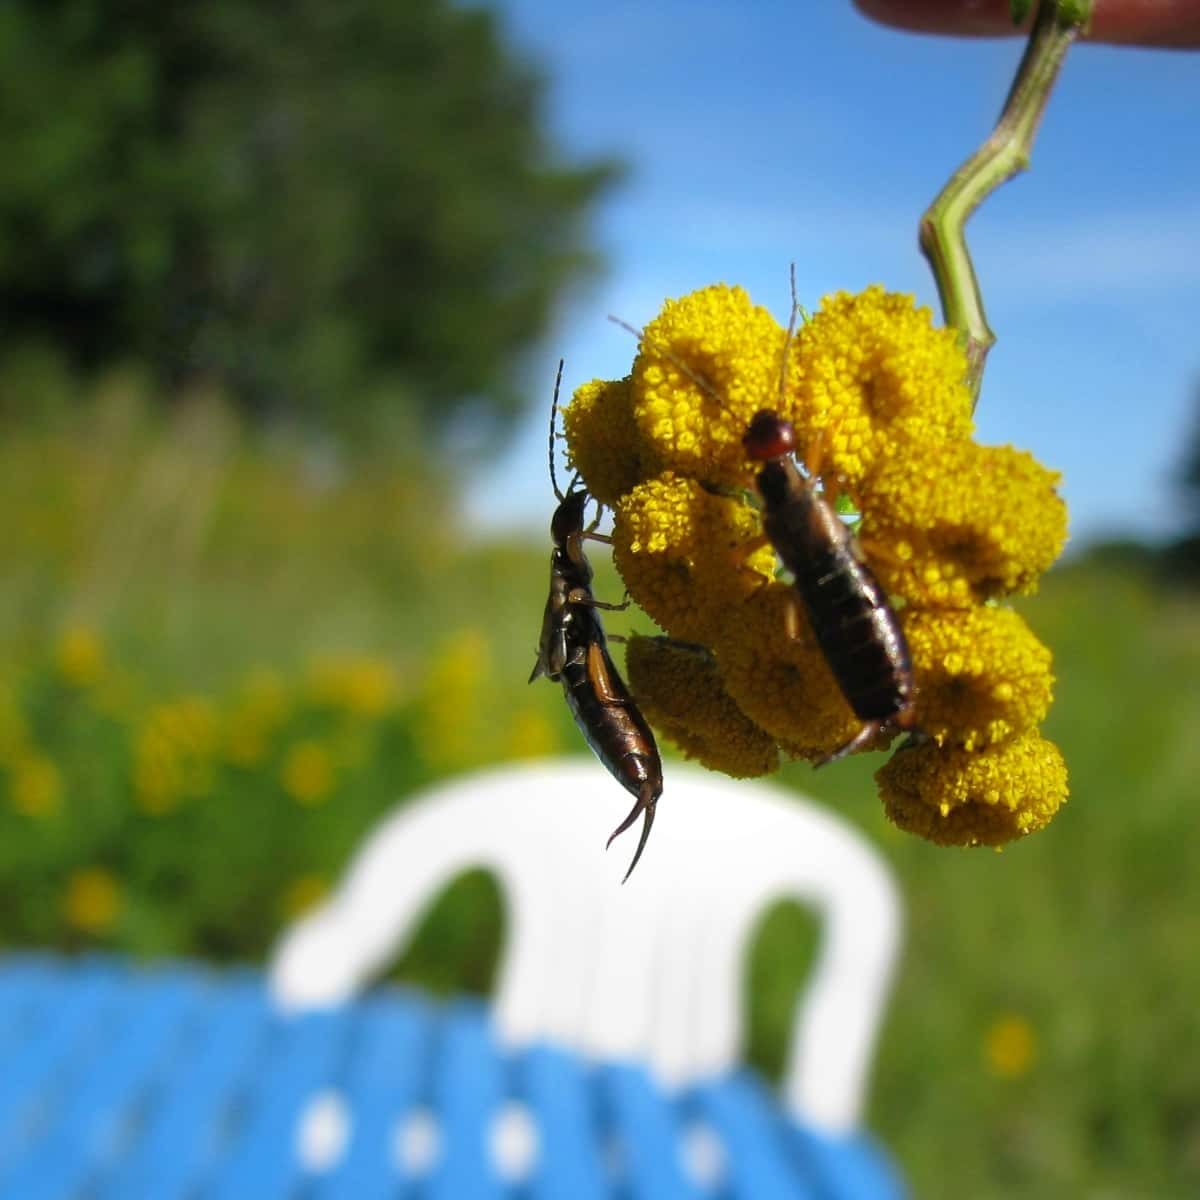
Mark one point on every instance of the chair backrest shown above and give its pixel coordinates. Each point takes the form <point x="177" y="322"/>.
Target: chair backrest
<point x="649" y="972"/>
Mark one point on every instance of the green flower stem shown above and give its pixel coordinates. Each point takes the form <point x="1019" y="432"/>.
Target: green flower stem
<point x="1003" y="155"/>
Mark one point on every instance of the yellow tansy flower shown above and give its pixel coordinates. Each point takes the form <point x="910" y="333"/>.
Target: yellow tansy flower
<point x="736" y="349"/>
<point x="606" y="446"/>
<point x="963" y="522"/>
<point x="92" y="901"/>
<point x="676" y="546"/>
<point x="783" y="684"/>
<point x="1009" y="1047"/>
<point x="680" y="690"/>
<point x="35" y="786"/>
<point x="302" y="894"/>
<point x="873" y="372"/>
<point x="959" y="798"/>
<point x="531" y="735"/>
<point x="79" y="656"/>
<point x="308" y="773"/>
<point x="982" y="675"/>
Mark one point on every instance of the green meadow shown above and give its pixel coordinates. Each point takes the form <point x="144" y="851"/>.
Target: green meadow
<point x="225" y="657"/>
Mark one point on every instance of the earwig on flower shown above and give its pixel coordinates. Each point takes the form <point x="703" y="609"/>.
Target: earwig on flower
<point x="573" y="650"/>
<point x="854" y="625"/>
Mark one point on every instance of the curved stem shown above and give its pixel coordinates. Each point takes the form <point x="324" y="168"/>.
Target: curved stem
<point x="1003" y="155"/>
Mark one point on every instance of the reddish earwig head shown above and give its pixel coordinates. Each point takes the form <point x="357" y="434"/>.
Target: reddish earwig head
<point x="769" y="436"/>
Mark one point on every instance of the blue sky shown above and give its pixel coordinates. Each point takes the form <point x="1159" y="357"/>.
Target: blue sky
<point x="762" y="134"/>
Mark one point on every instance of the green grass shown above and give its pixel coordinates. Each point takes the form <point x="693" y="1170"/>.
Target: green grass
<point x="200" y="557"/>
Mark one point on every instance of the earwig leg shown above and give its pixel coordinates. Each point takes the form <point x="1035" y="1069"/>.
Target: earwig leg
<point x="597" y="670"/>
<point x="791" y="619"/>
<point x="815" y="455"/>
<point x="598" y="537"/>
<point x="619" y="638"/>
<point x="866" y="734"/>
<point x="582" y="596"/>
<point x="880" y="552"/>
<point x="743" y="550"/>
<point x="646" y="803"/>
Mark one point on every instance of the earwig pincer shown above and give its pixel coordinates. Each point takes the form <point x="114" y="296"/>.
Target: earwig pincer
<point x="855" y="626"/>
<point x="573" y="650"/>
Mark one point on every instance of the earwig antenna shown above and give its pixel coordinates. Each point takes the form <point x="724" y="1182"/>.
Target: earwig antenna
<point x="791" y="332"/>
<point x="671" y="357"/>
<point x="553" y="418"/>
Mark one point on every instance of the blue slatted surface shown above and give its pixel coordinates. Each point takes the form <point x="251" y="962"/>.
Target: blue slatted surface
<point x="182" y="1083"/>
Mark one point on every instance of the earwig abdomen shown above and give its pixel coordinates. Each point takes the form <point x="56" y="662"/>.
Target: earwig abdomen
<point x="854" y="625"/>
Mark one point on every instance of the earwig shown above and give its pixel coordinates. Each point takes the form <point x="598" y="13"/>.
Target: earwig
<point x="856" y="628"/>
<point x="573" y="650"/>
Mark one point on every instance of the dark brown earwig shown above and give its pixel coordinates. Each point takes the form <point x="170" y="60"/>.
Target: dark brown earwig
<point x="855" y="626"/>
<point x="574" y="651"/>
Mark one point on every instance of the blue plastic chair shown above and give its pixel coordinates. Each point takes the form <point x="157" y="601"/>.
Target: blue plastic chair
<point x="605" y="1067"/>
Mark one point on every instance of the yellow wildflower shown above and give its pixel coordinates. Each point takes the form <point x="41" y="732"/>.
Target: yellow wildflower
<point x="606" y="446"/>
<point x="173" y="754"/>
<point x="92" y="901"/>
<point x="781" y="683"/>
<point x="260" y="709"/>
<point x="676" y="546"/>
<point x="875" y="372"/>
<point x="981" y="675"/>
<point x="364" y="687"/>
<point x="531" y="735"/>
<point x="455" y="721"/>
<point x="680" y="690"/>
<point x="79" y="656"/>
<point x="736" y="349"/>
<point x="963" y="798"/>
<point x="14" y="729"/>
<point x="963" y="522"/>
<point x="305" y="892"/>
<point x="1009" y="1046"/>
<point x="307" y="773"/>
<point x="35" y="786"/>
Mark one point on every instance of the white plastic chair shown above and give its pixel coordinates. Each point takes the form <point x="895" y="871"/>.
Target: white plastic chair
<point x="649" y="972"/>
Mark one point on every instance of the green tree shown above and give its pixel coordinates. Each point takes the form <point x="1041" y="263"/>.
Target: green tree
<point x="313" y="203"/>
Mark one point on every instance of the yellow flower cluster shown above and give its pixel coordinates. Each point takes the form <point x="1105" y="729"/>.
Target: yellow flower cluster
<point x="882" y="417"/>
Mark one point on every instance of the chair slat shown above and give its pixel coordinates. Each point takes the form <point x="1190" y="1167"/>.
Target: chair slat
<point x="647" y="1130"/>
<point x="468" y="1092"/>
<point x="757" y="1161"/>
<point x="851" y="1167"/>
<point x="61" y="1037"/>
<point x="558" y="1086"/>
<point x="263" y="1159"/>
<point x="196" y="1094"/>
<point x="83" y="1133"/>
<point x="383" y="1080"/>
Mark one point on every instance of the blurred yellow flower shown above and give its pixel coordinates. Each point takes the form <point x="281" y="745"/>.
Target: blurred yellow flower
<point x="308" y="773"/>
<point x="303" y="893"/>
<point x="532" y="735"/>
<point x="92" y="900"/>
<point x="364" y="687"/>
<point x="174" y="751"/>
<point x="79" y="656"/>
<point x="35" y="786"/>
<point x="1009" y="1046"/>
<point x="14" y="729"/>
<point x="259" y="710"/>
<point x="455" y="728"/>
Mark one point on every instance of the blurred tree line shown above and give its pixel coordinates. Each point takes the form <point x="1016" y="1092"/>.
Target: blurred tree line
<point x="330" y="210"/>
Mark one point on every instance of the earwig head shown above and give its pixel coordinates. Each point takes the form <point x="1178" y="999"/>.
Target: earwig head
<point x="769" y="436"/>
<point x="568" y="516"/>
